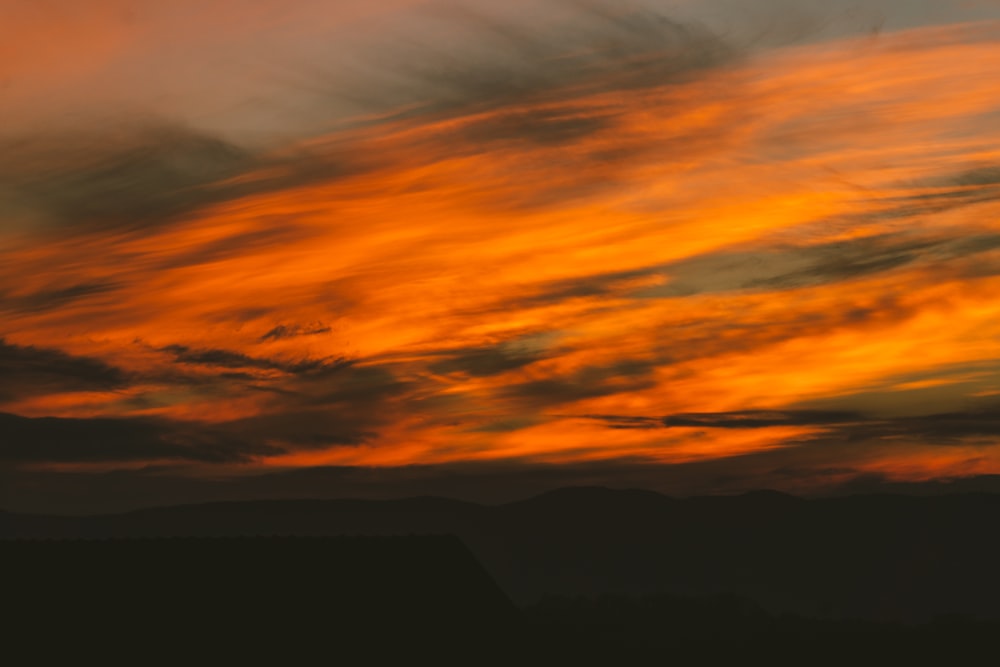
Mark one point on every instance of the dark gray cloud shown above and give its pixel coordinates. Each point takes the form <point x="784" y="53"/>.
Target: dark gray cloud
<point x="792" y="267"/>
<point x="544" y="127"/>
<point x="759" y="418"/>
<point x="486" y="62"/>
<point x="507" y="425"/>
<point x="216" y="357"/>
<point x="846" y="260"/>
<point x="837" y="427"/>
<point x="29" y="371"/>
<point x="106" y="439"/>
<point x="597" y="284"/>
<point x="988" y="175"/>
<point x="941" y="197"/>
<point x="283" y="331"/>
<point x="486" y="360"/>
<point x="627" y="422"/>
<point x="336" y="424"/>
<point x="331" y="403"/>
<point x="774" y="267"/>
<point x="229" y="359"/>
<point x="735" y="419"/>
<point x="55" y="297"/>
<point x="139" y="176"/>
<point x="348" y="408"/>
<point x="133" y="178"/>
<point x="362" y="388"/>
<point x="950" y="428"/>
<point x="588" y="382"/>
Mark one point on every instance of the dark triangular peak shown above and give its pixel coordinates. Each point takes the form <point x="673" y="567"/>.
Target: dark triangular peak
<point x="239" y="596"/>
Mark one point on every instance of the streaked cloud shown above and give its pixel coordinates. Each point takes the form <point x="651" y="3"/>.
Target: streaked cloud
<point x="597" y="237"/>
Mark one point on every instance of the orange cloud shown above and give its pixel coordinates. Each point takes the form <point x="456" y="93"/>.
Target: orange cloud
<point x="808" y="225"/>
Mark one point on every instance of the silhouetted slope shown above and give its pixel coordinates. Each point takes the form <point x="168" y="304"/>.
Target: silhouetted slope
<point x="248" y="597"/>
<point x="875" y="557"/>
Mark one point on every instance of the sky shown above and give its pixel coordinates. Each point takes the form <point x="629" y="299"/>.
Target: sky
<point x="282" y="249"/>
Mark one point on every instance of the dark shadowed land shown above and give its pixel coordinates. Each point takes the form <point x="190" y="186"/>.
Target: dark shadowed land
<point x="251" y="600"/>
<point x="598" y="577"/>
<point x="386" y="600"/>
<point x="881" y="558"/>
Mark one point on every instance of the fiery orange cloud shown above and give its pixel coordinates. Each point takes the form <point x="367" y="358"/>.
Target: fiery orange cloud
<point x="793" y="245"/>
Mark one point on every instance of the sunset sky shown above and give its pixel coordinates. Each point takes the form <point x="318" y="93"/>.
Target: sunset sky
<point x="263" y="248"/>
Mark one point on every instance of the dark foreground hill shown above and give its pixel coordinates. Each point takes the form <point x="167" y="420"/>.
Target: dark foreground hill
<point x="890" y="558"/>
<point x="250" y="600"/>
